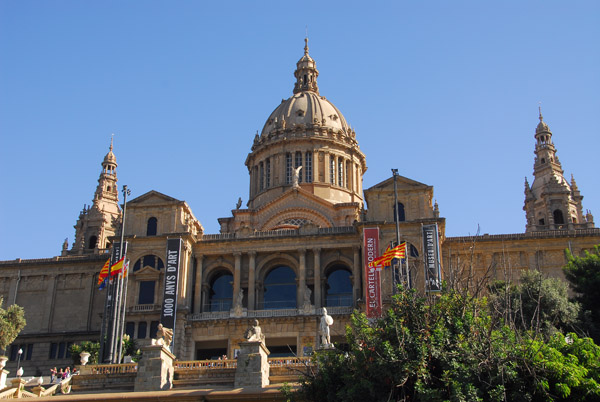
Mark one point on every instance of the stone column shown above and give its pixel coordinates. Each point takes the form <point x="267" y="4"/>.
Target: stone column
<point x="317" y="268"/>
<point x="155" y="369"/>
<point x="356" y="271"/>
<point x="253" y="366"/>
<point x="237" y="275"/>
<point x="252" y="281"/>
<point x="301" y="278"/>
<point x="198" y="285"/>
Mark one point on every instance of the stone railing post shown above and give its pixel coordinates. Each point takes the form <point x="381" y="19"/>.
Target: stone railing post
<point x="155" y="370"/>
<point x="252" y="365"/>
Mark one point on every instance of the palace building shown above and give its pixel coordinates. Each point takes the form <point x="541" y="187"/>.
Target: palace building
<point x="296" y="248"/>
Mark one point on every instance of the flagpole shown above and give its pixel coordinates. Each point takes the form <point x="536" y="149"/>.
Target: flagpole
<point x="125" y="282"/>
<point x="395" y="173"/>
<point x="120" y="279"/>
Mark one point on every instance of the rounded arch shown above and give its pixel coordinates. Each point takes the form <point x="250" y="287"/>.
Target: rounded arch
<point x="263" y="268"/>
<point x="299" y="214"/>
<point x="220" y="293"/>
<point x="151" y="226"/>
<point x="338" y="286"/>
<point x="213" y="269"/>
<point x="558" y="217"/>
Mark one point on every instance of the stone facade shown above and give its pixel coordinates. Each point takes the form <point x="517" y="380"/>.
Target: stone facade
<point x="292" y="250"/>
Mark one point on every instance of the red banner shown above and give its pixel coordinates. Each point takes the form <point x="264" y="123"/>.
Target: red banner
<point x="373" y="285"/>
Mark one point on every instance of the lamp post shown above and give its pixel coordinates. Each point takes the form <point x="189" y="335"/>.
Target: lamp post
<point x="19" y="353"/>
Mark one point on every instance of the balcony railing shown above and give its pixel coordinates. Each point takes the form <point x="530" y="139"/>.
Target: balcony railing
<point x="287" y="312"/>
<point x="277" y="233"/>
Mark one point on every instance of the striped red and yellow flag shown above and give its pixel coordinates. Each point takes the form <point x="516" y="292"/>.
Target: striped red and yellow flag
<point x="103" y="271"/>
<point x="390" y="253"/>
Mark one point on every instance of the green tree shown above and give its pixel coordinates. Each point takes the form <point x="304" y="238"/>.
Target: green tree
<point x="584" y="275"/>
<point x="12" y="321"/>
<point x="536" y="303"/>
<point x="450" y="348"/>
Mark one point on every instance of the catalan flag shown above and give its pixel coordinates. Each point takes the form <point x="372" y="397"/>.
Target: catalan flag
<point x="103" y="272"/>
<point x="390" y="253"/>
<point x="117" y="267"/>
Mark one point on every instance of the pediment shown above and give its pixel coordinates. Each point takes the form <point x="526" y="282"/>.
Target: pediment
<point x="403" y="183"/>
<point x="146" y="272"/>
<point x="152" y="198"/>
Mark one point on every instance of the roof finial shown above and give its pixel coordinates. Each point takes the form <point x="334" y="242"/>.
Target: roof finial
<point x="111" y="141"/>
<point x="540" y="109"/>
<point x="306" y="45"/>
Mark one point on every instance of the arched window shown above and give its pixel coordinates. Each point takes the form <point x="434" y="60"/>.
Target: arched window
<point x="558" y="217"/>
<point x="221" y="292"/>
<point x="148" y="260"/>
<point x="338" y="290"/>
<point x="92" y="242"/>
<point x="151" y="228"/>
<point x="400" y="213"/>
<point x="280" y="289"/>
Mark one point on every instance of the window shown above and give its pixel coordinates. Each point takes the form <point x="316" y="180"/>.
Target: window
<point x="268" y="173"/>
<point x="27" y="350"/>
<point x="146" y="295"/>
<point x="308" y="167"/>
<point x="558" y="217"/>
<point x="150" y="261"/>
<point x="92" y="242"/>
<point x="541" y="222"/>
<point x="53" y="350"/>
<point x="261" y="176"/>
<point x="130" y="329"/>
<point x="288" y="168"/>
<point x="280" y="289"/>
<point x="341" y="180"/>
<point x="332" y="169"/>
<point x="142" y="329"/>
<point x="298" y="162"/>
<point x="339" y="288"/>
<point x="151" y="228"/>
<point x="400" y="213"/>
<point x="221" y="292"/>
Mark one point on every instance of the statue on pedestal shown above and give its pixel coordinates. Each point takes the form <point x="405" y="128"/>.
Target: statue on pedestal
<point x="164" y="336"/>
<point x="326" y="322"/>
<point x="296" y="176"/>
<point x="254" y="333"/>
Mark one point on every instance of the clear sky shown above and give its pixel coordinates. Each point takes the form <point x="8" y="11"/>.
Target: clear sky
<point x="445" y="91"/>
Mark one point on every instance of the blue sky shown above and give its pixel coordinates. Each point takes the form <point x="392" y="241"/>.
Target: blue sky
<point x="446" y="92"/>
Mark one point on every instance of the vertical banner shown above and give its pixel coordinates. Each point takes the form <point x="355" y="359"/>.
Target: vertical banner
<point x="431" y="245"/>
<point x="169" y="306"/>
<point x="373" y="280"/>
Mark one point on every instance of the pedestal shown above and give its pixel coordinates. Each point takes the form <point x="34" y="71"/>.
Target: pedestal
<point x="3" y="375"/>
<point x="155" y="370"/>
<point x="252" y="366"/>
<point x="18" y="383"/>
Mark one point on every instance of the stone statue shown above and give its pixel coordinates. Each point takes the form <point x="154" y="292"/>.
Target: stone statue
<point x="164" y="336"/>
<point x="326" y="322"/>
<point x="254" y="333"/>
<point x="240" y="298"/>
<point x="296" y="176"/>
<point x="65" y="245"/>
<point x="307" y="293"/>
<point x="239" y="203"/>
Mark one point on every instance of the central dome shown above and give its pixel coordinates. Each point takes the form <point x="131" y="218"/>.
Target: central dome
<point x="306" y="143"/>
<point x="306" y="110"/>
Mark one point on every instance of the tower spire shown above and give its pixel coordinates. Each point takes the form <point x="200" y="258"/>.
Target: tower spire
<point x="306" y="72"/>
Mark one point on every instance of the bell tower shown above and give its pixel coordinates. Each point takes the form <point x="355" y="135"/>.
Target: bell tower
<point x="551" y="203"/>
<point x="99" y="221"/>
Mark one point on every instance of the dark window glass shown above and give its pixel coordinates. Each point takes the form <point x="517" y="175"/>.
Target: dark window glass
<point x="558" y="217"/>
<point x="280" y="289"/>
<point x="92" y="243"/>
<point x="339" y="288"/>
<point x="150" y="261"/>
<point x="146" y="292"/>
<point x="153" y="329"/>
<point x="53" y="350"/>
<point x="151" y="228"/>
<point x="29" y="351"/>
<point x="68" y="354"/>
<point x="142" y="327"/>
<point x="221" y="292"/>
<point x="61" y="350"/>
<point x="14" y="352"/>
<point x="130" y="329"/>
<point x="400" y="213"/>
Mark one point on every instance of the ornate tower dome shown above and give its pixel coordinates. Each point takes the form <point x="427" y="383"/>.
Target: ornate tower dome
<point x="306" y="139"/>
